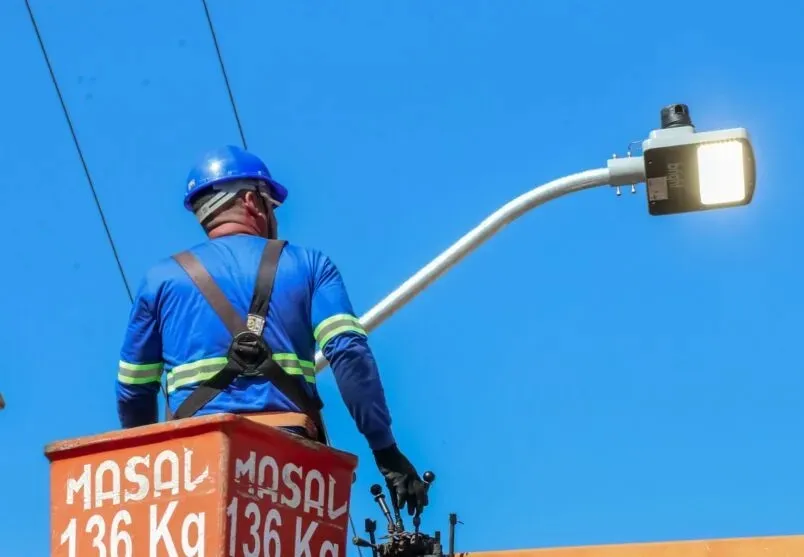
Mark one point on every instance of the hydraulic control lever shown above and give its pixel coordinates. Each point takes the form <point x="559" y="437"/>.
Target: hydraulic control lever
<point x="428" y="478"/>
<point x="399" y="542"/>
<point x="379" y="498"/>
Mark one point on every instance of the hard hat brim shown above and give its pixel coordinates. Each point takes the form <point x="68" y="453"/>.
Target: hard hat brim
<point x="278" y="192"/>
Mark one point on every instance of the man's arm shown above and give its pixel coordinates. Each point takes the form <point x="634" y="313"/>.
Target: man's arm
<point x="140" y="369"/>
<point x="345" y="345"/>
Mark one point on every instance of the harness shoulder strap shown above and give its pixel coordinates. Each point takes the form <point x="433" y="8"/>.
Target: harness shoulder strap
<point x="288" y="385"/>
<point x="207" y="390"/>
<point x="264" y="286"/>
<point x="211" y="291"/>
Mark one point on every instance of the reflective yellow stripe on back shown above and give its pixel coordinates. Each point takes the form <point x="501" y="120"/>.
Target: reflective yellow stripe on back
<point x="201" y="370"/>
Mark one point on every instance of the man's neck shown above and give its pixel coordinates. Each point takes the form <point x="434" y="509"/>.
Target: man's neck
<point x="231" y="229"/>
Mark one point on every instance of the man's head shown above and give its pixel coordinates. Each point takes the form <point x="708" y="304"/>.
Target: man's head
<point x="231" y="191"/>
<point x="236" y="207"/>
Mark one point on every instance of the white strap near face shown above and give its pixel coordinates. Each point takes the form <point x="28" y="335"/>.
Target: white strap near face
<point x="225" y="193"/>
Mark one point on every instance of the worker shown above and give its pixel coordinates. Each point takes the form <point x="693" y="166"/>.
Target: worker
<point x="234" y="321"/>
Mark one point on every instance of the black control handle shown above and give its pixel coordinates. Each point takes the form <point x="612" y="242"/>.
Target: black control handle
<point x="428" y="477"/>
<point x="379" y="497"/>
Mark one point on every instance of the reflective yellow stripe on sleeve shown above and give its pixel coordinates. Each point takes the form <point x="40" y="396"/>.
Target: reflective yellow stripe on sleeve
<point x="201" y="370"/>
<point x="138" y="374"/>
<point x="335" y="325"/>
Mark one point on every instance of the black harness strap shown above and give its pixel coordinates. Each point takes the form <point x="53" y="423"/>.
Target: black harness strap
<point x="266" y="274"/>
<point x="249" y="355"/>
<point x="213" y="294"/>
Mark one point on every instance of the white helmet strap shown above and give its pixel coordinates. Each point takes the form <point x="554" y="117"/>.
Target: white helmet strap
<point x="225" y="193"/>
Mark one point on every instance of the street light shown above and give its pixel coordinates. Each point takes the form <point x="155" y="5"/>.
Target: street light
<point x="685" y="170"/>
<point x="696" y="171"/>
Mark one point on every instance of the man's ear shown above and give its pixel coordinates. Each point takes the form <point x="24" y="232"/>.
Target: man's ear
<point x="252" y="204"/>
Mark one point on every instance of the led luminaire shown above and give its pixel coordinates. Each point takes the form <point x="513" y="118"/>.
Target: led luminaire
<point x="687" y="170"/>
<point x="721" y="172"/>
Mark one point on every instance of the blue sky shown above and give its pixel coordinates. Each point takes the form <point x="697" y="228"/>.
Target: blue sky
<point x="591" y="375"/>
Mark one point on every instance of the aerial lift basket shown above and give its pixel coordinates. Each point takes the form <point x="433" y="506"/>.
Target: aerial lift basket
<point x="210" y="486"/>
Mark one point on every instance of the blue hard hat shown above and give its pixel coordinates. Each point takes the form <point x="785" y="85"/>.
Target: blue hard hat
<point x="224" y="165"/>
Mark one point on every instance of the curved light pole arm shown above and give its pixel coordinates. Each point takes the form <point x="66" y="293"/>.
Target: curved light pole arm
<point x="619" y="172"/>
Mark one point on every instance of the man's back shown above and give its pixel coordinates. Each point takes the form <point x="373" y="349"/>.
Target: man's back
<point x="173" y="325"/>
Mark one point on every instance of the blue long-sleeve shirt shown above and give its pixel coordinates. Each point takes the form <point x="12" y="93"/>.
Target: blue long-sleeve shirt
<point x="172" y="330"/>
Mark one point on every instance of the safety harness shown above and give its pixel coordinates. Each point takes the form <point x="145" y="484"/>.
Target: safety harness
<point x="249" y="354"/>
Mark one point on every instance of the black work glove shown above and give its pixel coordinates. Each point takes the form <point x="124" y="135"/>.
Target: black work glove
<point x="406" y="487"/>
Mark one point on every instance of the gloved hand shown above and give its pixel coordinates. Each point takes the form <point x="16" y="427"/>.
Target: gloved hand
<point x="406" y="487"/>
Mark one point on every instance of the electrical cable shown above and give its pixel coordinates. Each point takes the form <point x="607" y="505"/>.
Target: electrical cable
<point x="80" y="152"/>
<point x="84" y="164"/>
<point x="245" y="146"/>
<point x="88" y="175"/>
<point x="225" y="75"/>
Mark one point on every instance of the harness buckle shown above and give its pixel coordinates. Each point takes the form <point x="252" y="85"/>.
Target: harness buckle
<point x="249" y="351"/>
<point x="255" y="323"/>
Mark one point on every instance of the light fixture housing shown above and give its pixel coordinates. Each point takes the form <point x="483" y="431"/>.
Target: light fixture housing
<point x="688" y="171"/>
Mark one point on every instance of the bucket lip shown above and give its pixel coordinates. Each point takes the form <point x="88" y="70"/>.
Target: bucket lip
<point x="226" y="423"/>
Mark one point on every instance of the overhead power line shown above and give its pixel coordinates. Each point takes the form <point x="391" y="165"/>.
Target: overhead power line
<point x="83" y="163"/>
<point x="86" y="167"/>
<point x="245" y="146"/>
<point x="225" y="76"/>
<point x="80" y="151"/>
